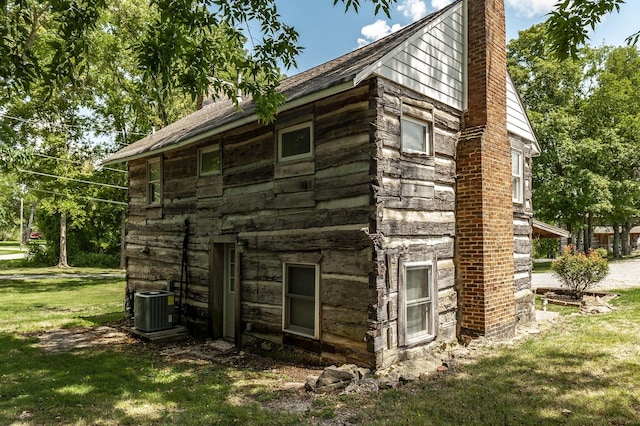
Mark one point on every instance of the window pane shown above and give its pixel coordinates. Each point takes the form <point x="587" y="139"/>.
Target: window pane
<point x="414" y="136"/>
<point x="154" y="171"/>
<point x="417" y="318"/>
<point x="210" y="162"/>
<point x="516" y="188"/>
<point x="302" y="313"/>
<point x="302" y="280"/>
<point x="515" y="163"/>
<point x="296" y="142"/>
<point x="154" y="192"/>
<point x="417" y="286"/>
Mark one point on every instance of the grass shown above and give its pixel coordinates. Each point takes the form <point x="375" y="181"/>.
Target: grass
<point x="584" y="371"/>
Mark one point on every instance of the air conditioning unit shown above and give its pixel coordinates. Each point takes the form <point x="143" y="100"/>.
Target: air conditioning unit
<point x="153" y="310"/>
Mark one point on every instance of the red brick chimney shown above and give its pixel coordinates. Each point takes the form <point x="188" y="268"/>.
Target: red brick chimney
<point x="484" y="217"/>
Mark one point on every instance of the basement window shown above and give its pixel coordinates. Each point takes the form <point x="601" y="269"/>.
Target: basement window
<point x="154" y="181"/>
<point x="295" y="142"/>
<point x="416" y="136"/>
<point x="418" y="296"/>
<point x="209" y="162"/>
<point x="301" y="294"/>
<point x="517" y="176"/>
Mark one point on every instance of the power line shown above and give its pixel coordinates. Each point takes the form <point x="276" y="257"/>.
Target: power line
<point x="80" y="196"/>
<point x="70" y="126"/>
<point x="31" y="172"/>
<point x="76" y="162"/>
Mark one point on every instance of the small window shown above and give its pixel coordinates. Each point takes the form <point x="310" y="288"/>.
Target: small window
<point x="301" y="299"/>
<point x="295" y="142"/>
<point x="517" y="176"/>
<point x="419" y="302"/>
<point x="209" y="161"/>
<point x="416" y="136"/>
<point x="154" y="180"/>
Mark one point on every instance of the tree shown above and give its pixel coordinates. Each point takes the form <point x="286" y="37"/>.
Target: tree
<point x="185" y="45"/>
<point x="571" y="20"/>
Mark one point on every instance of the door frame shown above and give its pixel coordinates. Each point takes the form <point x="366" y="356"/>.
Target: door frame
<point x="217" y="248"/>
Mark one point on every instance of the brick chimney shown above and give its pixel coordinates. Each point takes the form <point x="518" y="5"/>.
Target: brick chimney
<point x="484" y="216"/>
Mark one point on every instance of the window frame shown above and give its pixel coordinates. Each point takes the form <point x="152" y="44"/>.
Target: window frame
<point x="286" y="297"/>
<point x="292" y="128"/>
<point x="207" y="150"/>
<point x="151" y="183"/>
<point x="406" y="339"/>
<point x="519" y="197"/>
<point x="428" y="135"/>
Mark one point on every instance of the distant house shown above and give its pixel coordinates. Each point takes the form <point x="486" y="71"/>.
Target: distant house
<point x="386" y="208"/>
<point x="603" y="237"/>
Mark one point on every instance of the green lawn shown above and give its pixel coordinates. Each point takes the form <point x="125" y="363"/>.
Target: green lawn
<point x="584" y="371"/>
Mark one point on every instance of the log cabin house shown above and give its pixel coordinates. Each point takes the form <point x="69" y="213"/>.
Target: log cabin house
<point x="386" y="210"/>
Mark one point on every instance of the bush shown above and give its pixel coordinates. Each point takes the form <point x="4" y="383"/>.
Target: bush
<point x="101" y="260"/>
<point x="578" y="271"/>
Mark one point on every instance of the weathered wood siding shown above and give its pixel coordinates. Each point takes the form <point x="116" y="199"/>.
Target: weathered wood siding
<point x="415" y="214"/>
<point x="522" y="235"/>
<point x="320" y="205"/>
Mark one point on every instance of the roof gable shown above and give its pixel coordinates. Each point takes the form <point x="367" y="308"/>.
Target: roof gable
<point x="431" y="61"/>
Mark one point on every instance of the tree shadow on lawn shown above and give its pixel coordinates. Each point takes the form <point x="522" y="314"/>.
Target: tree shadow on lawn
<point x="118" y="385"/>
<point x="52" y="284"/>
<point x="521" y="386"/>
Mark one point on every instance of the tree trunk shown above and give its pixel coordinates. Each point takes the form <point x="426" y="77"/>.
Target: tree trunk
<point x="27" y="232"/>
<point x="123" y="236"/>
<point x="616" y="241"/>
<point x="589" y="234"/>
<point x="63" y="262"/>
<point x="626" y="251"/>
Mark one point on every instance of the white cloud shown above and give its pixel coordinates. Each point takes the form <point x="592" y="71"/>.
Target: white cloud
<point x="439" y="4"/>
<point x="413" y="9"/>
<point x="531" y="8"/>
<point x="376" y="31"/>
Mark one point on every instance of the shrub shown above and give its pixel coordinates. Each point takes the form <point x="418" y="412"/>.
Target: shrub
<point x="578" y="271"/>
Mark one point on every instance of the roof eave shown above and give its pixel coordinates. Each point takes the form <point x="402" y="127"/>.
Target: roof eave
<point x="237" y="123"/>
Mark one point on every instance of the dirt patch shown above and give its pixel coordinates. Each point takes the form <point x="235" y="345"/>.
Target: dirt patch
<point x="81" y="337"/>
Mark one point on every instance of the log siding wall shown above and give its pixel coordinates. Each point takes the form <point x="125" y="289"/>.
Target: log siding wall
<point x="415" y="216"/>
<point x="318" y="206"/>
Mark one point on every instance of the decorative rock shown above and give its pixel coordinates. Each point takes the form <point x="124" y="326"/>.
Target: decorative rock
<point x="364" y="386"/>
<point x="266" y="346"/>
<point x="333" y="374"/>
<point x="310" y="383"/>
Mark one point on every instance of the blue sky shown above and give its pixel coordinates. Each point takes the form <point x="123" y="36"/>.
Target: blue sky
<point x="327" y="32"/>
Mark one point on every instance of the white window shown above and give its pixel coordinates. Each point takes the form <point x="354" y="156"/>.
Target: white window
<point x="209" y="161"/>
<point x="154" y="181"/>
<point x="295" y="142"/>
<point x="416" y="136"/>
<point x="517" y="176"/>
<point x="301" y="309"/>
<point x="418" y="313"/>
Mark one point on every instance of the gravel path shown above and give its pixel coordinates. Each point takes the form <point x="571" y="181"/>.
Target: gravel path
<point x="622" y="275"/>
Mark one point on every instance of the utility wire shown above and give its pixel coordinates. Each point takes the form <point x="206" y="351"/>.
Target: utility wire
<point x="80" y="196"/>
<point x="76" y="162"/>
<point x="31" y="172"/>
<point x="71" y="126"/>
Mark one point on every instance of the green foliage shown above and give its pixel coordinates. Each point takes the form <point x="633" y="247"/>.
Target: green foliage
<point x="545" y="248"/>
<point x="578" y="271"/>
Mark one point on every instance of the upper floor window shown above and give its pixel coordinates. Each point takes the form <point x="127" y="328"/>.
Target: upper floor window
<point x="209" y="161"/>
<point x="419" y="306"/>
<point x="295" y="142"/>
<point x="416" y="136"/>
<point x="154" y="181"/>
<point x="517" y="176"/>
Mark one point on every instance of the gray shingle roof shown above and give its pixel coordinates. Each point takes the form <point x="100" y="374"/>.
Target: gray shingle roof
<point x="330" y="74"/>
